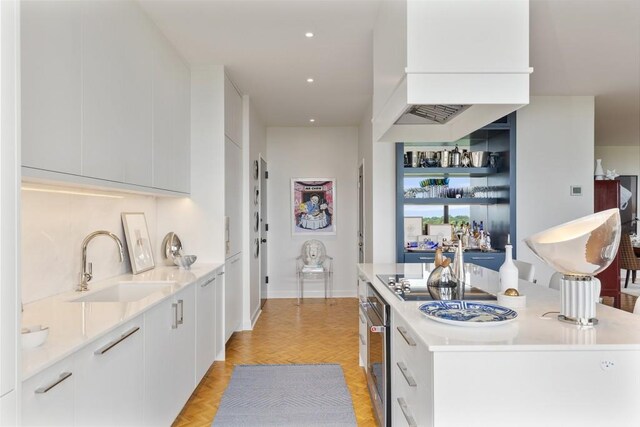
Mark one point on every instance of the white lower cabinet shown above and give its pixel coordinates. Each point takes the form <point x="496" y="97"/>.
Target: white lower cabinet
<point x="362" y="322"/>
<point x="205" y="324"/>
<point x="233" y="296"/>
<point x="109" y="378"/>
<point x="8" y="409"/>
<point x="48" y="397"/>
<point x="169" y="355"/>
<point x="411" y="381"/>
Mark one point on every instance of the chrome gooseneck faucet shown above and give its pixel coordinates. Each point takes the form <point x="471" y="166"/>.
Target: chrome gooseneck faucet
<point x="87" y="269"/>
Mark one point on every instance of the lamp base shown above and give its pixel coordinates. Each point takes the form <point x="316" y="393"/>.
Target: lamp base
<point x="578" y="295"/>
<point x="578" y="321"/>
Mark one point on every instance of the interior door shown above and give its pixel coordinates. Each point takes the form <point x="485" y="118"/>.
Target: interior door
<point x="264" y="228"/>
<point x="361" y="213"/>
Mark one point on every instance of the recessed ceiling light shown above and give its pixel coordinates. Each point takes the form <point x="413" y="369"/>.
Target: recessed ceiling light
<point x="309" y="80"/>
<point x="308" y="35"/>
<point x="312" y="120"/>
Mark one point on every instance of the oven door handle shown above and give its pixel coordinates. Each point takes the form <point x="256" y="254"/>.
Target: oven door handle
<point x="375" y="327"/>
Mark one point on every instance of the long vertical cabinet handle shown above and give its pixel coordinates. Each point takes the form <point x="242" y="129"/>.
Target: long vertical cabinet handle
<point x="174" y="307"/>
<point x="405" y="411"/>
<point x="45" y="388"/>
<point x="181" y="306"/>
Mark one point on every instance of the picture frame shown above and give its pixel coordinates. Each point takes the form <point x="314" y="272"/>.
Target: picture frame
<point x="412" y="230"/>
<point x="138" y="243"/>
<point x="313" y="206"/>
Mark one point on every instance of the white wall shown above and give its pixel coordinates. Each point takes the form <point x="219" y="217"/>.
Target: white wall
<point x="53" y="227"/>
<point x="314" y="153"/>
<point x="256" y="134"/>
<point x="555" y="149"/>
<point x="365" y="154"/>
<point x="384" y="202"/>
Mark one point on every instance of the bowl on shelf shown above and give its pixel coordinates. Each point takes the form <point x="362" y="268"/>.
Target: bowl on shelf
<point x="431" y="163"/>
<point x="184" y="261"/>
<point x="479" y="159"/>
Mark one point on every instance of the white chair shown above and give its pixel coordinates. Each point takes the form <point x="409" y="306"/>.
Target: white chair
<point x="554" y="283"/>
<point x="526" y="271"/>
<point x="314" y="264"/>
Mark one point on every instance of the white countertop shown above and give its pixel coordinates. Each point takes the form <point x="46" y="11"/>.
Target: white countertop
<point x="72" y="325"/>
<point x="616" y="330"/>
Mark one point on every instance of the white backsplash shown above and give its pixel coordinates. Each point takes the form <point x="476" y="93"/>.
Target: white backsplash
<point x="53" y="227"/>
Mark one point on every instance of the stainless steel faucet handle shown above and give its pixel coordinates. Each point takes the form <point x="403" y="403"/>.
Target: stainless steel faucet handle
<point x="90" y="269"/>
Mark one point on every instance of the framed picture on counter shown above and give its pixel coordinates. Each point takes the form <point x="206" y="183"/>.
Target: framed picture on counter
<point x="313" y="208"/>
<point x="138" y="242"/>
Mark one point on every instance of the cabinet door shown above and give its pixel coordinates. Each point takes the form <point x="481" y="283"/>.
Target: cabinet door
<point x="51" y="85"/>
<point x="492" y="261"/>
<point x="232" y="112"/>
<point x="232" y="195"/>
<point x="116" y="96"/>
<point x="8" y="408"/>
<point x="48" y="397"/>
<point x="205" y="325"/>
<point x="233" y="296"/>
<point x="171" y="120"/>
<point x="169" y="356"/>
<point x="184" y="343"/>
<point x="110" y="378"/>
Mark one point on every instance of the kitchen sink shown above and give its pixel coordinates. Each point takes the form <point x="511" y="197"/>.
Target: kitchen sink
<point x="127" y="292"/>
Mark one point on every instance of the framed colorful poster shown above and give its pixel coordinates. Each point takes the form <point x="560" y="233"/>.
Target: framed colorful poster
<point x="313" y="206"/>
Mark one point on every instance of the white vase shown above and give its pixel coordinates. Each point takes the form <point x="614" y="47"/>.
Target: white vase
<point x="599" y="173"/>
<point x="508" y="271"/>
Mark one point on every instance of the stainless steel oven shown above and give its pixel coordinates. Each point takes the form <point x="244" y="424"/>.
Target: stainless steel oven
<point x="376" y="311"/>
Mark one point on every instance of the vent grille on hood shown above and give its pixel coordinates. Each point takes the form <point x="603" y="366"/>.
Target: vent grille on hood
<point x="437" y="113"/>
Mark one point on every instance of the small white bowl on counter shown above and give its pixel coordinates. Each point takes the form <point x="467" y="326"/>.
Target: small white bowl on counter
<point x="34" y="336"/>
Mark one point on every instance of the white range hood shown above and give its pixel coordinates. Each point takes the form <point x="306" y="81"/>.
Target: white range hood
<point x="444" y="68"/>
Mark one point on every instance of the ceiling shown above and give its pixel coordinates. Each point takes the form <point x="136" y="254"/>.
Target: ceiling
<point x="577" y="47"/>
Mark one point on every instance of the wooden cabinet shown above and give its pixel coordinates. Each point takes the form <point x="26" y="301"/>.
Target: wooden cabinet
<point x="169" y="355"/>
<point x="109" y="378"/>
<point x="48" y="397"/>
<point x="205" y="324"/>
<point x="106" y="99"/>
<point x="233" y="296"/>
<point x="607" y="196"/>
<point x="483" y="193"/>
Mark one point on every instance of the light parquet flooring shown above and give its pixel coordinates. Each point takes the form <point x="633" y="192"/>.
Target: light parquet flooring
<point x="317" y="331"/>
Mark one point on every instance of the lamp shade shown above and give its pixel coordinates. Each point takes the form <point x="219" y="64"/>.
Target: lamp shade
<point x="583" y="247"/>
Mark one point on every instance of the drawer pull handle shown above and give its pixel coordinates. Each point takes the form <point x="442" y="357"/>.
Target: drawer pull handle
<point x="208" y="282"/>
<point x="406" y="336"/>
<point x="109" y="346"/>
<point x="405" y="411"/>
<point x="407" y="376"/>
<point x="362" y="339"/>
<point x="427" y="258"/>
<point x="221" y="273"/>
<point x="483" y="257"/>
<point x="63" y="376"/>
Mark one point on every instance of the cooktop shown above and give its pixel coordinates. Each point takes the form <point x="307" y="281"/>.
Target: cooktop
<point x="415" y="289"/>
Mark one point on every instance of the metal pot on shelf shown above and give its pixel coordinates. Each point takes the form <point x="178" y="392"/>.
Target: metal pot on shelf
<point x="479" y="159"/>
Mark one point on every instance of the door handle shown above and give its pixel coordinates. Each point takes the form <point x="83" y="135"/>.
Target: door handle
<point x="109" y="346"/>
<point x="46" y="388"/>
<point x="174" y="307"/>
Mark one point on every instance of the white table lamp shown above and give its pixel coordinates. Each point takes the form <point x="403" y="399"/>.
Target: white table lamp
<point x="579" y="249"/>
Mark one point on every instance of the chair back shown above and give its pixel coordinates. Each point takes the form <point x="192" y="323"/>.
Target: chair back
<point x="628" y="259"/>
<point x="526" y="271"/>
<point x="313" y="253"/>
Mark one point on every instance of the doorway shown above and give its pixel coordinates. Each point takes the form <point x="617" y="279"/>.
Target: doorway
<point x="264" y="228"/>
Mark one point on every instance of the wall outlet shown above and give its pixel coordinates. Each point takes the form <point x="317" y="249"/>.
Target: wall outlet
<point x="576" y="190"/>
<point x="606" y="365"/>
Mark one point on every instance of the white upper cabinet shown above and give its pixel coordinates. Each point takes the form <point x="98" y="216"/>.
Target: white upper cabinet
<point x="106" y="98"/>
<point x="51" y="85"/>
<point x="116" y="107"/>
<point x="232" y="112"/>
<point x="171" y="120"/>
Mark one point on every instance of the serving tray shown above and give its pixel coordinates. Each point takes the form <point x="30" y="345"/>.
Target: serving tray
<point x="467" y="313"/>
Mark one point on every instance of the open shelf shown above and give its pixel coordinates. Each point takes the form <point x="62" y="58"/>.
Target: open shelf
<point x="448" y="201"/>
<point x="473" y="172"/>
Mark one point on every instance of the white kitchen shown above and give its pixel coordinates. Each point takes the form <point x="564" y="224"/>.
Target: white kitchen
<point x="136" y="133"/>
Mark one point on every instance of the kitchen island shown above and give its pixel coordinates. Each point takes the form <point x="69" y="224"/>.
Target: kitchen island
<point x="534" y="370"/>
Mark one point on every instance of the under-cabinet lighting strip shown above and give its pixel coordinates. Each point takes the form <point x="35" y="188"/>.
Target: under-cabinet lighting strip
<point x="78" y="193"/>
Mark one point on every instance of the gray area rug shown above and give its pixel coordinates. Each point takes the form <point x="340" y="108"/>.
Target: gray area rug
<point x="286" y="395"/>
